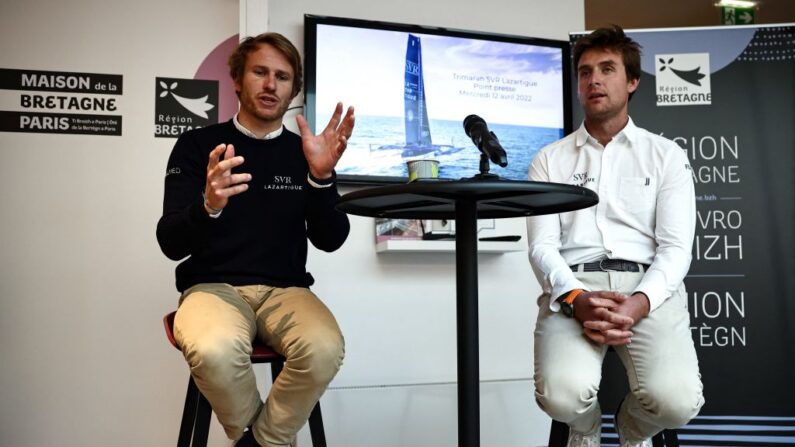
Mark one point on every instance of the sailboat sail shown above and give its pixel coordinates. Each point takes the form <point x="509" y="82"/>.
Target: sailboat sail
<point x="415" y="118"/>
<point x="418" y="132"/>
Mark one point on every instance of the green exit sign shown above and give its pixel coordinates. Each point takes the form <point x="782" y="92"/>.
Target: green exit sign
<point x="733" y="15"/>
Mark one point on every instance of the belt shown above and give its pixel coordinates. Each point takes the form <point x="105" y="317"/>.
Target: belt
<point x="610" y="265"/>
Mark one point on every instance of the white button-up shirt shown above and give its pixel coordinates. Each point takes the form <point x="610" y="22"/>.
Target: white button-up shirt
<point x="646" y="211"/>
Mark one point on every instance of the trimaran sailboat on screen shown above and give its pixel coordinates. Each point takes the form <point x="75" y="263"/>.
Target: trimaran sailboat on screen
<point x="418" y="132"/>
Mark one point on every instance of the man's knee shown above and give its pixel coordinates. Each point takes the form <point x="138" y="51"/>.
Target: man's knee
<point x="674" y="414"/>
<point x="565" y="398"/>
<point x="320" y="353"/>
<point x="216" y="353"/>
<point x="674" y="403"/>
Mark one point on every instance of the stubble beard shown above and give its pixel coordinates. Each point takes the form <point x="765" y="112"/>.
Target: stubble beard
<point x="265" y="115"/>
<point x="602" y="114"/>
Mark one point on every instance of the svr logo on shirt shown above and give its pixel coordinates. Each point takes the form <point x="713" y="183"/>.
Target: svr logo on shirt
<point x="283" y="182"/>
<point x="581" y="178"/>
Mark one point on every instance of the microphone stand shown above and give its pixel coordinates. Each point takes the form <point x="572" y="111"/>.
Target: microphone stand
<point x="484" y="169"/>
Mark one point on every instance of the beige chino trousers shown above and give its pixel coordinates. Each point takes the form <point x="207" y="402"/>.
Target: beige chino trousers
<point x="215" y="325"/>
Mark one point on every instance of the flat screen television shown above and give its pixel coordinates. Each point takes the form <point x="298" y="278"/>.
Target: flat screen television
<point x="412" y="86"/>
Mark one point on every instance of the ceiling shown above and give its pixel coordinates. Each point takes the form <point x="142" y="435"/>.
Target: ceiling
<point x="631" y="14"/>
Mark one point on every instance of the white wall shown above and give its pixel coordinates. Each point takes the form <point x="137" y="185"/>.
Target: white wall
<point x="83" y="358"/>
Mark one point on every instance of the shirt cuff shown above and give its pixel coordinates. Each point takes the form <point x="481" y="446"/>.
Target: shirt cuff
<point x="559" y="291"/>
<point x="207" y="208"/>
<point x="321" y="183"/>
<point x="656" y="295"/>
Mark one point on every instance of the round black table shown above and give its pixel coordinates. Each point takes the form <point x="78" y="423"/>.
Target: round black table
<point x="466" y="200"/>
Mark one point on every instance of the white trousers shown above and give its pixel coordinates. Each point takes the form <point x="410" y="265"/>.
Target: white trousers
<point x="661" y="364"/>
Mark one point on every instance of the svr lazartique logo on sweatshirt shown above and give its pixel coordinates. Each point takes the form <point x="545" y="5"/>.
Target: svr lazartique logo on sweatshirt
<point x="683" y="79"/>
<point x="283" y="182"/>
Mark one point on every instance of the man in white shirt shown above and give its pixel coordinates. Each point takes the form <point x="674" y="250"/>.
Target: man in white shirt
<point x="612" y="274"/>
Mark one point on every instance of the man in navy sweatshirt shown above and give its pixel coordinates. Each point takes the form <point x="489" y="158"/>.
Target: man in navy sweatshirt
<point x="241" y="200"/>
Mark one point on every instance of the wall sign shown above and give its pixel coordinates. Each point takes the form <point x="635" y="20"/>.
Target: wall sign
<point x="184" y="104"/>
<point x="60" y="102"/>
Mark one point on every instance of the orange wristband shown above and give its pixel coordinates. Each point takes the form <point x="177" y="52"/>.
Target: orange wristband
<point x="572" y="296"/>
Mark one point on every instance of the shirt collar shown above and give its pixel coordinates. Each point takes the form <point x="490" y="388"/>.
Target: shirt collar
<point x="629" y="132"/>
<point x="251" y="134"/>
<point x="581" y="135"/>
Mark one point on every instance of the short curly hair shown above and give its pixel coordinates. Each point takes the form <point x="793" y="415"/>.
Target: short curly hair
<point x="237" y="60"/>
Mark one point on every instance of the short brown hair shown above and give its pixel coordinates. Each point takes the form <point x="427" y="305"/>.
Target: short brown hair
<point x="237" y="60"/>
<point x="613" y="39"/>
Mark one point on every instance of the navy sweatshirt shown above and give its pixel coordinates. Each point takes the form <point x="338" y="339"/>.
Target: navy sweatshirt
<point x="261" y="235"/>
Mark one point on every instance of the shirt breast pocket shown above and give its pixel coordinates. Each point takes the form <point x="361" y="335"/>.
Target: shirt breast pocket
<point x="637" y="195"/>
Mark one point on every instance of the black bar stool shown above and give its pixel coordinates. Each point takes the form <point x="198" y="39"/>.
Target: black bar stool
<point x="196" y="415"/>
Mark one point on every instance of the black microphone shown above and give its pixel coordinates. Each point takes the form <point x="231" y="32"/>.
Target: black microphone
<point x="475" y="128"/>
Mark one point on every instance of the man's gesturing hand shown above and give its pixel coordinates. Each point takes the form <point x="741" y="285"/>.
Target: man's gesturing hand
<point x="221" y="183"/>
<point x="324" y="150"/>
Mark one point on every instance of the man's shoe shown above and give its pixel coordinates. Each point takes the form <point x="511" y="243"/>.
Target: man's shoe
<point x="577" y="439"/>
<point x="247" y="440"/>
<point x="623" y="442"/>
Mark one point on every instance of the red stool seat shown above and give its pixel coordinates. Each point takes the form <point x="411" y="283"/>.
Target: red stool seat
<point x="260" y="354"/>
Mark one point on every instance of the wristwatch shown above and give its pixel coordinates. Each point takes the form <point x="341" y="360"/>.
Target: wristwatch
<point x="567" y="303"/>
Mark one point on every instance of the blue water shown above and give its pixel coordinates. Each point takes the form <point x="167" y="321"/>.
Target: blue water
<point x="363" y="156"/>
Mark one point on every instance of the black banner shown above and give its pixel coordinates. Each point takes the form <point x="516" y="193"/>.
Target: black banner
<point x="727" y="97"/>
